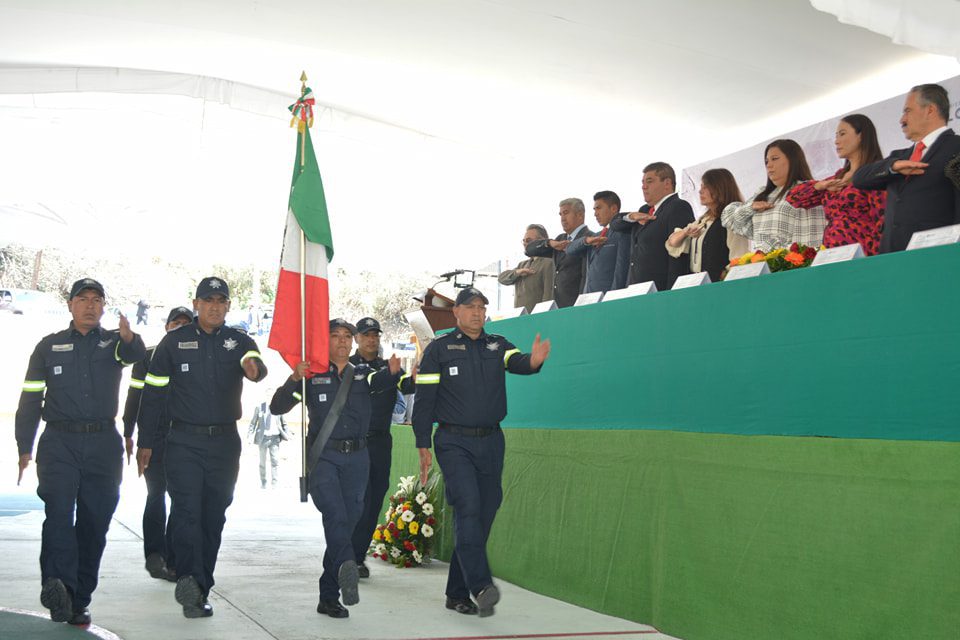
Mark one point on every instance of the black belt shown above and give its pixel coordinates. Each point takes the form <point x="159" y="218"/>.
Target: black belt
<point x="346" y="446"/>
<point x="204" y="429"/>
<point x="474" y="432"/>
<point x="79" y="427"/>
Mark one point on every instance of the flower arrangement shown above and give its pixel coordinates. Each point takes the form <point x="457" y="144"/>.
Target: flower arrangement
<point x="406" y="536"/>
<point x="794" y="257"/>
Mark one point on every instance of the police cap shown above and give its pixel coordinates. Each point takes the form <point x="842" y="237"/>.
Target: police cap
<point x="468" y="294"/>
<point x="366" y="325"/>
<point x="212" y="286"/>
<point x="336" y="323"/>
<point x="86" y="283"/>
<point x="176" y="312"/>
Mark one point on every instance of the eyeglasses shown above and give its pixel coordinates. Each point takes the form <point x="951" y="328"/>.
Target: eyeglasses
<point x="527" y="240"/>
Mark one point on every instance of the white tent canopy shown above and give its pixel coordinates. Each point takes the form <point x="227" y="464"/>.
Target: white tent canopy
<point x="444" y="128"/>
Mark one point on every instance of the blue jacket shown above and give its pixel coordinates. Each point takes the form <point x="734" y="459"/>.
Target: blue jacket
<point x="607" y="266"/>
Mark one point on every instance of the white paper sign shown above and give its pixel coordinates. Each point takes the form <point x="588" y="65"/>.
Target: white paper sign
<point x="935" y="237"/>
<point x="546" y="305"/>
<point x="838" y="254"/>
<point x="588" y="298"/>
<point x="751" y="270"/>
<point x="638" y="289"/>
<point x="692" y="280"/>
<point x="502" y="314"/>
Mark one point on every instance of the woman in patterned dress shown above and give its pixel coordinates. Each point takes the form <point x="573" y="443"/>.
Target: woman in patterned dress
<point x="853" y="215"/>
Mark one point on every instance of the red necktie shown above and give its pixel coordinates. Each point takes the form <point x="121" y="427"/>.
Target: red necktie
<point x="917" y="152"/>
<point x="652" y="210"/>
<point x="603" y="234"/>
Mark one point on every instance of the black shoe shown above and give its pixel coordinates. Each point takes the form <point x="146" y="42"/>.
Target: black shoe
<point x="191" y="598"/>
<point x="348" y="579"/>
<point x="363" y="571"/>
<point x="54" y="596"/>
<point x="157" y="567"/>
<point x="465" y="607"/>
<point x="487" y="597"/>
<point x="80" y="617"/>
<point x="332" y="608"/>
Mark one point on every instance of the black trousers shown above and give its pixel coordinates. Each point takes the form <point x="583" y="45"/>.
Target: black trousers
<point x="472" y="472"/>
<point x="378" y="482"/>
<point x="337" y="484"/>
<point x="79" y="482"/>
<point x="201" y="476"/>
<point x="156" y="532"/>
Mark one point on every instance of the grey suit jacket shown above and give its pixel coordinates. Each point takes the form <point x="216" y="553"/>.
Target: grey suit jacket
<point x="570" y="270"/>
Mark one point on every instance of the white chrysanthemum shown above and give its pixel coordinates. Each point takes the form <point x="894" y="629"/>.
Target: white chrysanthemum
<point x="381" y="549"/>
<point x="427" y="531"/>
<point x="395" y="553"/>
<point x="421" y="497"/>
<point x="428" y="509"/>
<point x="417" y="556"/>
<point x="389" y="513"/>
<point x="408" y="516"/>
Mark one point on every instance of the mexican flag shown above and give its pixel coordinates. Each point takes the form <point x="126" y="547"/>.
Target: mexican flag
<point x="307" y="211"/>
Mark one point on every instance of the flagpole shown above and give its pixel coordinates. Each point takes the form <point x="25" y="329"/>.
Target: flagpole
<point x="305" y="473"/>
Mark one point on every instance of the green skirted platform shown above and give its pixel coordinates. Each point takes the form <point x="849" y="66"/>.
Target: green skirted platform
<point x="656" y="468"/>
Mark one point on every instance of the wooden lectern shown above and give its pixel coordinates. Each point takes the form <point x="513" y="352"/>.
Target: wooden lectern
<point x="438" y="309"/>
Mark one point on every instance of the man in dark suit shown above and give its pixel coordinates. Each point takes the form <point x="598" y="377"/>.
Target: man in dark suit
<point x="570" y="270"/>
<point x="919" y="194"/>
<point x="601" y="251"/>
<point x="650" y="227"/>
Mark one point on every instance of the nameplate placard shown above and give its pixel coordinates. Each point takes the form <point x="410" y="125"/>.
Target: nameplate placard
<point x="502" y="314"/>
<point x="692" y="280"/>
<point x="588" y="298"/>
<point x="935" y="237"/>
<point x="638" y="289"/>
<point x="546" y="305"/>
<point x="838" y="254"/>
<point x="751" y="270"/>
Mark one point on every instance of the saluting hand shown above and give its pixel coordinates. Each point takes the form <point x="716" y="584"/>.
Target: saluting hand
<point x="143" y="460"/>
<point x="126" y="333"/>
<point x="760" y="205"/>
<point x="908" y="168"/>
<point x="128" y="443"/>
<point x="394" y="364"/>
<point x="539" y="352"/>
<point x="23" y="462"/>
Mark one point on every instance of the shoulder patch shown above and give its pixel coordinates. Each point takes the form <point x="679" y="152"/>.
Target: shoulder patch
<point x="194" y="344"/>
<point x="56" y="348"/>
<point x="320" y="380"/>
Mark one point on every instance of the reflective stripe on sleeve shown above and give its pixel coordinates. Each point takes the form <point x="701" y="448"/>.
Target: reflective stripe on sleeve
<point x="428" y="378"/>
<point x="251" y="354"/>
<point x="34" y="385"/>
<point x="136" y="384"/>
<point x="506" y="356"/>
<point x="297" y="396"/>
<point x="157" y="381"/>
<point x="402" y="378"/>
<point x="116" y="354"/>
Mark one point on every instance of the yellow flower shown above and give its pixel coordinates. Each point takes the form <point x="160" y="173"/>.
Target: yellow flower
<point x="387" y="536"/>
<point x="377" y="535"/>
<point x="414" y="528"/>
<point x="401" y="524"/>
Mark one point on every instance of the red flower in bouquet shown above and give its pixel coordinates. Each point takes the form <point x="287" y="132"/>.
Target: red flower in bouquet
<point x="809" y="253"/>
<point x="794" y="247"/>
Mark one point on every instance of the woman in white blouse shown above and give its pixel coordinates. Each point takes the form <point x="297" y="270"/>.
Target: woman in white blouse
<point x="710" y="245"/>
<point x="768" y="219"/>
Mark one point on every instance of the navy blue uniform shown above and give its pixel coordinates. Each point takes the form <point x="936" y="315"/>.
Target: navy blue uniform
<point x="461" y="387"/>
<point x="338" y="481"/>
<point x="156" y="535"/>
<point x="198" y="378"/>
<point x="73" y="383"/>
<point x="380" y="450"/>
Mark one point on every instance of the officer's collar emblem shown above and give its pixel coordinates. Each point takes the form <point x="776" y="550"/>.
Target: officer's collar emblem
<point x="229" y="344"/>
<point x="103" y="344"/>
<point x="215" y="283"/>
<point x="493" y="346"/>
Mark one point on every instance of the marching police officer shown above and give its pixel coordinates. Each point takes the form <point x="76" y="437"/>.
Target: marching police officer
<point x="338" y="472"/>
<point x="379" y="440"/>
<point x="197" y="374"/>
<point x="461" y="387"/>
<point x="157" y="548"/>
<point x="72" y="382"/>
